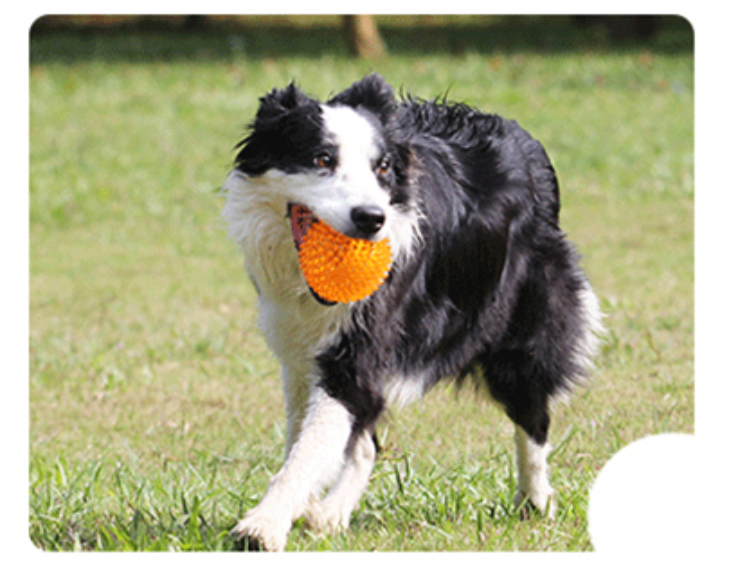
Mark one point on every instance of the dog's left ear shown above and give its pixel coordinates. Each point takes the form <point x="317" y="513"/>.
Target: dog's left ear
<point x="372" y="93"/>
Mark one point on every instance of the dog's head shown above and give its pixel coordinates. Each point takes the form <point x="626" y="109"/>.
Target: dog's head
<point x="340" y="162"/>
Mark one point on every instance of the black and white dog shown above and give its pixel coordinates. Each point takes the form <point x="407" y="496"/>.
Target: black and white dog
<point x="483" y="283"/>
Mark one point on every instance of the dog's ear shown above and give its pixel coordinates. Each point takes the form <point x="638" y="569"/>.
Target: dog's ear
<point x="372" y="93"/>
<point x="282" y="113"/>
<point x="281" y="101"/>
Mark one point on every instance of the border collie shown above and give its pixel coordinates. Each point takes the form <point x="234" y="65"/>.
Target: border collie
<point x="483" y="283"/>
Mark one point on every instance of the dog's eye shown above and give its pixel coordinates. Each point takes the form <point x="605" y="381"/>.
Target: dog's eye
<point x="385" y="164"/>
<point x="324" y="161"/>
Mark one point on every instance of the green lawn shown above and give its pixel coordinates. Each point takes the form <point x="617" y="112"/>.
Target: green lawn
<point x="156" y="411"/>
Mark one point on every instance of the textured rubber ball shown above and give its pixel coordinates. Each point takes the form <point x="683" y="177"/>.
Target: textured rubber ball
<point x="342" y="269"/>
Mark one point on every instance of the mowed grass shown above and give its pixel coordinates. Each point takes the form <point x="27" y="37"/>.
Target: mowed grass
<point x="156" y="410"/>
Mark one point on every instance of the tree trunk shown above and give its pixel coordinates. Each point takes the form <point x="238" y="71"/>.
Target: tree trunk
<point x="362" y="36"/>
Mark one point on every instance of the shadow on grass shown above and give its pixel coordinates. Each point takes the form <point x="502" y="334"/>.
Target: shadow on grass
<point x="259" y="38"/>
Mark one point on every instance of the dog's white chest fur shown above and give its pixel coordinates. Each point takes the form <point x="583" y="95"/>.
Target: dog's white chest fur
<point x="294" y="324"/>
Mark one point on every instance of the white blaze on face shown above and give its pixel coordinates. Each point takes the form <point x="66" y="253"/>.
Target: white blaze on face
<point x="356" y="140"/>
<point x="355" y="182"/>
<point x="358" y="152"/>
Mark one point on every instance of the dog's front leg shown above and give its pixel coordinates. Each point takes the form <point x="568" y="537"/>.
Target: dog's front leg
<point x="313" y="462"/>
<point x="296" y="394"/>
<point x="333" y="513"/>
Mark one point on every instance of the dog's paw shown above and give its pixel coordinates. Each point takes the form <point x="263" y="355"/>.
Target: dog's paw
<point x="323" y="518"/>
<point x="262" y="531"/>
<point x="542" y="502"/>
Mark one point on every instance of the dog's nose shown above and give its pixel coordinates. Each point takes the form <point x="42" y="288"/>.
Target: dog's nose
<point x="368" y="219"/>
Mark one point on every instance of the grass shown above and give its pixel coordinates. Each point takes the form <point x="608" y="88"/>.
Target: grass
<point x="156" y="415"/>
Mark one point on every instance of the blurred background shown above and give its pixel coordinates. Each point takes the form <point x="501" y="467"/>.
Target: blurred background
<point x="358" y="35"/>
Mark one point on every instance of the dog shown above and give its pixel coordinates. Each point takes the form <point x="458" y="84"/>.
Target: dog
<point x="483" y="283"/>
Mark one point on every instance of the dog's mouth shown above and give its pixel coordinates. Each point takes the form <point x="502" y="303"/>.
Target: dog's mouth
<point x="301" y="219"/>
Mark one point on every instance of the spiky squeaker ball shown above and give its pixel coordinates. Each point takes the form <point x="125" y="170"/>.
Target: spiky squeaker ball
<point x="339" y="268"/>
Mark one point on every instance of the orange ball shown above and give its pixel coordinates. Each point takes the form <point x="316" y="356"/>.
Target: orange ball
<point x="340" y="268"/>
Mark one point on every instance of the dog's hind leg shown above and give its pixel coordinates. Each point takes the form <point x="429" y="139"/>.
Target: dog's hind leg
<point x="314" y="461"/>
<point x="516" y="381"/>
<point x="533" y="485"/>
<point x="333" y="513"/>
